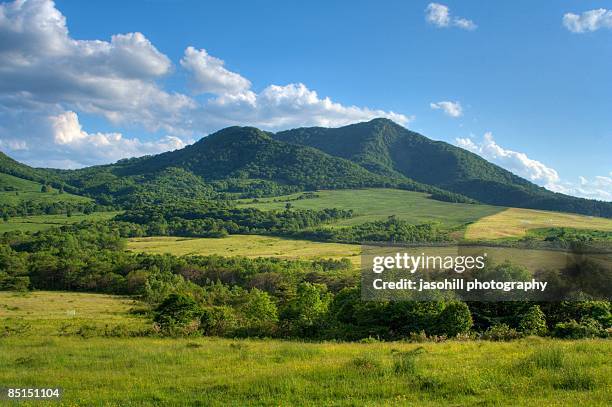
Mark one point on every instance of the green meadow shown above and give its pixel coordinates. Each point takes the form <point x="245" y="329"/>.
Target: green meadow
<point x="25" y="190"/>
<point x="478" y="221"/>
<point x="378" y="204"/>
<point x="41" y="347"/>
<point x="37" y="223"/>
<point x="247" y="246"/>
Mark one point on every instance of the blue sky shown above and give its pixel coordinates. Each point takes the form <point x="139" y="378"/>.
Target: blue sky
<point x="529" y="83"/>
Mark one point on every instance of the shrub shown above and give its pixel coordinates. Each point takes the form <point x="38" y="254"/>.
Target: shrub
<point x="217" y="321"/>
<point x="176" y="314"/>
<point x="454" y="319"/>
<point x="533" y="322"/>
<point x="586" y="328"/>
<point x="500" y="332"/>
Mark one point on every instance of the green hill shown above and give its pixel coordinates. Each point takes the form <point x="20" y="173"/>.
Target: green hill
<point x="233" y="159"/>
<point x="385" y="147"/>
<point x="14" y="191"/>
<point x="247" y="162"/>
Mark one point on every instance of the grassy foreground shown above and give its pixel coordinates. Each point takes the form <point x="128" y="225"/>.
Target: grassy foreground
<point x="211" y="371"/>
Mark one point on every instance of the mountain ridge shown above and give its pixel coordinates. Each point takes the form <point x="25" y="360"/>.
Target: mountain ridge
<point x="378" y="153"/>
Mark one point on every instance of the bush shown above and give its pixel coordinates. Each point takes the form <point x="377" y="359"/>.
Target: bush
<point x="454" y="319"/>
<point x="586" y="328"/>
<point x="501" y="332"/>
<point x="177" y="314"/>
<point x="533" y="322"/>
<point x="217" y="321"/>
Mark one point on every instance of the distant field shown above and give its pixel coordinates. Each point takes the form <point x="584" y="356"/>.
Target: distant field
<point x="265" y="246"/>
<point x="212" y="371"/>
<point x="30" y="191"/>
<point x="514" y="222"/>
<point x="246" y="245"/>
<point x="377" y="204"/>
<point x="44" y="222"/>
<point x="486" y="221"/>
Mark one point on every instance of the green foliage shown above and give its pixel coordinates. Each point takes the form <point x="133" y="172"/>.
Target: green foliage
<point x="501" y="332"/>
<point x="304" y="315"/>
<point x="586" y="328"/>
<point x="455" y="319"/>
<point x="533" y="322"/>
<point x="218" y="320"/>
<point x="177" y="313"/>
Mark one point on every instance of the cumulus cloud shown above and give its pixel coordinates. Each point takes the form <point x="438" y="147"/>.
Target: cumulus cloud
<point x="514" y="161"/>
<point x="42" y="64"/>
<point x="210" y="75"/>
<point x="452" y="109"/>
<point x="591" y="20"/>
<point x="47" y="73"/>
<point x="600" y="187"/>
<point x="94" y="147"/>
<point x="439" y="15"/>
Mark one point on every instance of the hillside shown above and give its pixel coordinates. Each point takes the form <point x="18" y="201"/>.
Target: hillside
<point x="236" y="159"/>
<point x="247" y="162"/>
<point x="385" y="147"/>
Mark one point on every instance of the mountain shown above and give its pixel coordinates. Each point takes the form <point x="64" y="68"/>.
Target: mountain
<point x="248" y="162"/>
<point x="386" y="148"/>
<point x="236" y="159"/>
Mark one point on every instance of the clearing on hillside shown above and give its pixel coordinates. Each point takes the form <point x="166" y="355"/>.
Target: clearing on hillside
<point x="515" y="222"/>
<point x="37" y="223"/>
<point x="14" y="190"/>
<point x="380" y="203"/>
<point x="248" y="246"/>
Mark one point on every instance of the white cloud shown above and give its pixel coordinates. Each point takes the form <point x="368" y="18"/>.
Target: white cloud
<point x="42" y="65"/>
<point x="599" y="187"/>
<point x="452" y="109"/>
<point x="45" y="72"/>
<point x="516" y="162"/>
<point x="464" y="23"/>
<point x="591" y="20"/>
<point x="210" y="75"/>
<point x="519" y="163"/>
<point x="90" y="148"/>
<point x="439" y="15"/>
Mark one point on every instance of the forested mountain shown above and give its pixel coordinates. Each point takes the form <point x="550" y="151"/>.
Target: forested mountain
<point x="384" y="147"/>
<point x="248" y="162"/>
<point x="237" y="159"/>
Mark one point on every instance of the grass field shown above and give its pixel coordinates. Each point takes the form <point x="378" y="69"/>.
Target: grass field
<point x="211" y="371"/>
<point x="31" y="191"/>
<point x="42" y="222"/>
<point x="485" y="221"/>
<point x="246" y="245"/>
<point x="266" y="246"/>
<point x="379" y="204"/>
<point x="515" y="222"/>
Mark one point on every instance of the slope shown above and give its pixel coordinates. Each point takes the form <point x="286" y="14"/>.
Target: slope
<point x="385" y="147"/>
